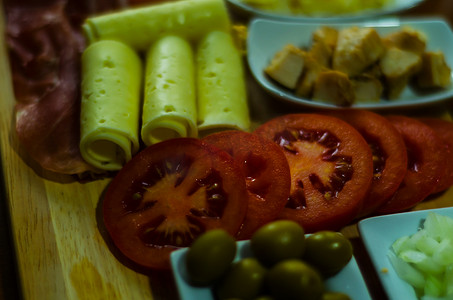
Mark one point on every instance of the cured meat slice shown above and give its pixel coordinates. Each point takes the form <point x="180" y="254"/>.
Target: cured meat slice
<point x="44" y="48"/>
<point x="45" y="62"/>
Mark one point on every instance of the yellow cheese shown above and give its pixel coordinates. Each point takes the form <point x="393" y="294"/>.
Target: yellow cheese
<point x="222" y="95"/>
<point x="139" y="27"/>
<point x="111" y="84"/>
<point x="169" y="108"/>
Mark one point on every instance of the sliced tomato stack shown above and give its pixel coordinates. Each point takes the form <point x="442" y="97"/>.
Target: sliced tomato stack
<point x="426" y="164"/>
<point x="322" y="170"/>
<point x="389" y="155"/>
<point x="168" y="195"/>
<point x="331" y="168"/>
<point x="266" y="172"/>
<point x="444" y="129"/>
<point x="173" y="191"/>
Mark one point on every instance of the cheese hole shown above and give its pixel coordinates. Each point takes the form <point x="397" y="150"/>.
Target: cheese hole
<point x="108" y="64"/>
<point x="169" y="108"/>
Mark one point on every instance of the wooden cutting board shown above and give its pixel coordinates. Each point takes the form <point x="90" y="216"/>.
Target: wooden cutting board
<point x="61" y="252"/>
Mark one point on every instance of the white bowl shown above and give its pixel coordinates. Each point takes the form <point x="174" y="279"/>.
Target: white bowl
<point x="349" y="280"/>
<point x="394" y="7"/>
<point x="379" y="233"/>
<point x="267" y="37"/>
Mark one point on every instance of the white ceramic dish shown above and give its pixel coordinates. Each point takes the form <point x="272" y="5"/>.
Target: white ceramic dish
<point x="267" y="37"/>
<point x="379" y="233"/>
<point x="395" y="7"/>
<point x="349" y="280"/>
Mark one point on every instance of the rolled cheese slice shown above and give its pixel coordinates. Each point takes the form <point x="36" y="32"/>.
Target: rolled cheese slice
<point x="111" y="85"/>
<point x="169" y="108"/>
<point x="222" y="94"/>
<point x="139" y="27"/>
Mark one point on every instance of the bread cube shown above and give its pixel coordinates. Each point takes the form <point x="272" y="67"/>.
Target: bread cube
<point x="434" y="72"/>
<point x="398" y="66"/>
<point x="328" y="35"/>
<point x="322" y="53"/>
<point x="356" y="49"/>
<point x="367" y="89"/>
<point x="312" y="68"/>
<point x="286" y="66"/>
<point x="334" y="87"/>
<point x="406" y="39"/>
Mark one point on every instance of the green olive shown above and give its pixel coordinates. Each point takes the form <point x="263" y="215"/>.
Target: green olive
<point x="244" y="280"/>
<point x="335" y="296"/>
<point x="210" y="256"/>
<point x="277" y="241"/>
<point x="294" y="279"/>
<point x="328" y="251"/>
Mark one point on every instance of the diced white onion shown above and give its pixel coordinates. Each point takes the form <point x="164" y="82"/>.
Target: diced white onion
<point x="425" y="259"/>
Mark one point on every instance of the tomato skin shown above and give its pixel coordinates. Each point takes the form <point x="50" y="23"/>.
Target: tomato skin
<point x="338" y="153"/>
<point x="169" y="194"/>
<point x="425" y="164"/>
<point x="444" y="129"/>
<point x="389" y="154"/>
<point x="267" y="175"/>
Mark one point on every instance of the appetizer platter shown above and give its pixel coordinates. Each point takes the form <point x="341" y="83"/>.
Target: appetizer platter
<point x="92" y="183"/>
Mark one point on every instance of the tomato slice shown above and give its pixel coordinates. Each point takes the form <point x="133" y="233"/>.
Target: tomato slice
<point x="267" y="175"/>
<point x="426" y="164"/>
<point x="389" y="155"/>
<point x="444" y="129"/>
<point x="331" y="168"/>
<point x="169" y="194"/>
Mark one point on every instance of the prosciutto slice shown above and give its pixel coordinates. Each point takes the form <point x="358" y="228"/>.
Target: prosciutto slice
<point x="45" y="47"/>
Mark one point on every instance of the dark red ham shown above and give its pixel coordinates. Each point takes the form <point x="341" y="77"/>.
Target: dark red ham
<point x="45" y="44"/>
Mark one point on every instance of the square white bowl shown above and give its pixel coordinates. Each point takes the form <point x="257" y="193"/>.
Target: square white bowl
<point x="349" y="280"/>
<point x="378" y="235"/>
<point x="267" y="37"/>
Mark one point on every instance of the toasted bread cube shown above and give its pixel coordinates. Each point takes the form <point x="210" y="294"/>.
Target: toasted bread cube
<point x="334" y="87"/>
<point x="398" y="66"/>
<point x="312" y="68"/>
<point x="328" y="35"/>
<point x="367" y="89"/>
<point x="406" y="39"/>
<point x="286" y="66"/>
<point x="434" y="73"/>
<point x="322" y="53"/>
<point x="373" y="71"/>
<point x="357" y="48"/>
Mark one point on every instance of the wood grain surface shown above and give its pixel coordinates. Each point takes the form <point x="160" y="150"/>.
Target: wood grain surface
<point x="52" y="243"/>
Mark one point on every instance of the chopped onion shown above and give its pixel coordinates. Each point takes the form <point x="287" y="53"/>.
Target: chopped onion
<point x="407" y="272"/>
<point x="425" y="259"/>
